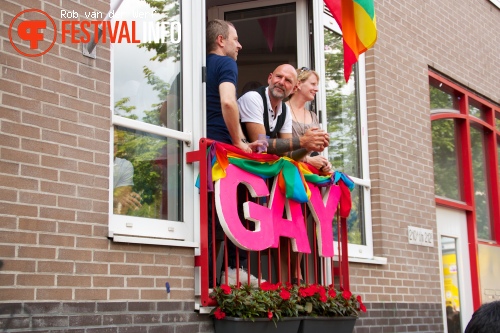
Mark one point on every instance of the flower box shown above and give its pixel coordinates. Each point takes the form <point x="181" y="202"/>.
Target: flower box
<point x="257" y="325"/>
<point x="327" y="324"/>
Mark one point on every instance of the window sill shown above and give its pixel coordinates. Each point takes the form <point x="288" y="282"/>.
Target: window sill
<point x="496" y="3"/>
<point x="373" y="261"/>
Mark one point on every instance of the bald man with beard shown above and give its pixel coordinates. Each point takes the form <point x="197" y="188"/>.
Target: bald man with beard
<point x="263" y="112"/>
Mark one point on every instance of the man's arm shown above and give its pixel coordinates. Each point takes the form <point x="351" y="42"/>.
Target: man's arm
<point x="230" y="114"/>
<point x="294" y="147"/>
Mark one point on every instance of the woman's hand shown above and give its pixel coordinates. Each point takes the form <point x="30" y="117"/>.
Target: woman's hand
<point x="319" y="162"/>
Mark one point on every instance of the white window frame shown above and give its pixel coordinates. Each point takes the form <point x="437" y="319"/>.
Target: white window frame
<point x="156" y="231"/>
<point x="321" y="20"/>
<point x="496" y="3"/>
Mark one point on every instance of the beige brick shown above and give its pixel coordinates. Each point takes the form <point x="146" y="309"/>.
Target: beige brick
<point x="91" y="294"/>
<point x="59" y="113"/>
<point x="109" y="256"/>
<point x="124" y="294"/>
<point x="7" y="280"/>
<point x="55" y="267"/>
<point x="133" y="282"/>
<point x="17" y="265"/>
<point x="36" y="252"/>
<point x="90" y="268"/>
<point x="57" y="214"/>
<point x="17" y="294"/>
<point x="59" y="163"/>
<point x="38" y="280"/>
<point x="116" y="269"/>
<point x="73" y="281"/>
<point x="108" y="282"/>
<point x="53" y="294"/>
<point x="140" y="258"/>
<point x="34" y="198"/>
<point x="36" y="225"/>
<point x="57" y="240"/>
<point x="74" y="254"/>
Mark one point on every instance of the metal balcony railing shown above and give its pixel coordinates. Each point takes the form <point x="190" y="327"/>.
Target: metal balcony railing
<point x="274" y="264"/>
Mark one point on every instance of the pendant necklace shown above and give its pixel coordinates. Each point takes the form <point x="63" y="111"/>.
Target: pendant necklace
<point x="303" y="127"/>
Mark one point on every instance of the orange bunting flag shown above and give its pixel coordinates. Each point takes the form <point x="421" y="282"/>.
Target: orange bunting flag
<point x="357" y="20"/>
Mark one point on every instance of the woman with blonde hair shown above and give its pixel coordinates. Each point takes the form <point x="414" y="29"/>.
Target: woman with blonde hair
<point x="302" y="119"/>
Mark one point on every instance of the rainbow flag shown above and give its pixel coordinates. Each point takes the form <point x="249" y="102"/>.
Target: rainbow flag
<point x="357" y="20"/>
<point x="292" y="175"/>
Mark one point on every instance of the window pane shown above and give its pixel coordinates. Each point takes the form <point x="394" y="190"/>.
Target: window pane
<point x="477" y="110"/>
<point x="481" y="194"/>
<point x="342" y="109"/>
<point x="451" y="283"/>
<point x="355" y="226"/>
<point x="445" y="159"/>
<point x="497" y="121"/>
<point x="147" y="175"/>
<point x="148" y="74"/>
<point x="343" y="126"/>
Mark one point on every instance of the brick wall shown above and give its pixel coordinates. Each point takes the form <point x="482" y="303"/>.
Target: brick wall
<point x="54" y="168"/>
<point x="59" y="268"/>
<point x="460" y="40"/>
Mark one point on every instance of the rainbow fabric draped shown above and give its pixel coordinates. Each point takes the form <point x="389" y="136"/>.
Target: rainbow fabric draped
<point x="357" y="20"/>
<point x="292" y="176"/>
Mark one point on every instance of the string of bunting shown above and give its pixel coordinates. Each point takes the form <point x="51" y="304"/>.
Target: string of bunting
<point x="292" y="176"/>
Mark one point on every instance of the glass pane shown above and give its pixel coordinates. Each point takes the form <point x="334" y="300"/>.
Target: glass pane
<point x="355" y="226"/>
<point x="342" y="109"/>
<point x="441" y="99"/>
<point x="481" y="195"/>
<point x="451" y="283"/>
<point x="148" y="74"/>
<point x="446" y="169"/>
<point x="497" y="121"/>
<point x="477" y="110"/>
<point x="147" y="175"/>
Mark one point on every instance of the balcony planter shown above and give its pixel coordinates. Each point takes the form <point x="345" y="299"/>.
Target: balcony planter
<point x="257" y="325"/>
<point x="327" y="324"/>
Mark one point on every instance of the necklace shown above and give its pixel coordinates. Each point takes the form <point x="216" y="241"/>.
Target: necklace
<point x="303" y="127"/>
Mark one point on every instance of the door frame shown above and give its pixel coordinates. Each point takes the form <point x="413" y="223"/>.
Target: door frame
<point x="453" y="223"/>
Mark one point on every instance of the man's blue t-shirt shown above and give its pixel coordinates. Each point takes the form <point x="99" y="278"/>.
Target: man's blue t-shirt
<point x="219" y="69"/>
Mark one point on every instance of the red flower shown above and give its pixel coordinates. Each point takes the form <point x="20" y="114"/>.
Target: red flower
<point x="225" y="289"/>
<point x="332" y="293"/>
<point x="267" y="286"/>
<point x="269" y="315"/>
<point x="285" y="294"/>
<point x="346" y="294"/>
<point x="219" y="314"/>
<point x="359" y="298"/>
<point x="323" y="298"/>
<point x="362" y="307"/>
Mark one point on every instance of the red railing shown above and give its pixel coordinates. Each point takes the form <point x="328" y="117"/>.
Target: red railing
<point x="264" y="264"/>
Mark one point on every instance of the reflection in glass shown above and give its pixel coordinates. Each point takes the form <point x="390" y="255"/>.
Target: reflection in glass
<point x="442" y="100"/>
<point x="147" y="75"/>
<point x="476" y="112"/>
<point x="155" y="163"/>
<point x="355" y="227"/>
<point x="481" y="194"/>
<point x="343" y="126"/>
<point x="446" y="167"/>
<point x="451" y="283"/>
<point x="497" y="121"/>
<point x="342" y="109"/>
